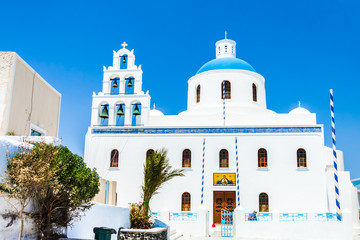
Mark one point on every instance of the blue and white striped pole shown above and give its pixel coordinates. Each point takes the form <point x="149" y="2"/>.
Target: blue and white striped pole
<point x="335" y="157"/>
<point x="237" y="172"/>
<point x="223" y="93"/>
<point x="202" y="178"/>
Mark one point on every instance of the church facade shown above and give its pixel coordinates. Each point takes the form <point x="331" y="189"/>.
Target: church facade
<point x="236" y="153"/>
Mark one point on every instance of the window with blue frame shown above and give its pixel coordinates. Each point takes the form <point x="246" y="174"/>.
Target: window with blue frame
<point x="129" y="85"/>
<point x="104" y="115"/>
<point x="123" y="61"/>
<point x="136" y="114"/>
<point x="115" y="83"/>
<point x="120" y="114"/>
<point x="35" y="133"/>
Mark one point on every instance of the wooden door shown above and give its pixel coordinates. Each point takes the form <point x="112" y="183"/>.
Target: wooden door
<point x="223" y="199"/>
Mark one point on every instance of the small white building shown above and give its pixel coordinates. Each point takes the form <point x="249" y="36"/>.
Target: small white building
<point x="236" y="153"/>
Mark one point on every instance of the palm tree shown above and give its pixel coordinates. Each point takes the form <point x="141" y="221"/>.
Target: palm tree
<point x="157" y="171"/>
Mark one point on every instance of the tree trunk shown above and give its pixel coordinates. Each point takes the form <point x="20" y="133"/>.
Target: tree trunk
<point x="21" y="224"/>
<point x="48" y="228"/>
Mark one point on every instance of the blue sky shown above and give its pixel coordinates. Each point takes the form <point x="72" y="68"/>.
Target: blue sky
<point x="302" y="48"/>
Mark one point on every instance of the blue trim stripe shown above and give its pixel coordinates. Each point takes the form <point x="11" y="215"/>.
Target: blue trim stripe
<point x="221" y="130"/>
<point x="237" y="172"/>
<point x="202" y="177"/>
<point x="337" y="192"/>
<point x="107" y="192"/>
<point x="223" y="94"/>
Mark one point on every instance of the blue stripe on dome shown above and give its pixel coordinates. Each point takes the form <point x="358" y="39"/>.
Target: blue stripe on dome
<point x="226" y="63"/>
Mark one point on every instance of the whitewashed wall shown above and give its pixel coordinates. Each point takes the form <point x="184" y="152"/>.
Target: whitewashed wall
<point x="100" y="215"/>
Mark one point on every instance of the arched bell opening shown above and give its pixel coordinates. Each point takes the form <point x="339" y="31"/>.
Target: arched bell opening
<point x="104" y="114"/>
<point x="123" y="61"/>
<point x="114" y="85"/>
<point x="120" y="114"/>
<point x="129" y="85"/>
<point x="136" y="114"/>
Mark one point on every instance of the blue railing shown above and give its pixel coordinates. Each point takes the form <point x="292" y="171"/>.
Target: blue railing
<point x="292" y="217"/>
<point x="156" y="215"/>
<point x="226" y="223"/>
<point x="331" y="217"/>
<point x="182" y="216"/>
<point x="260" y="217"/>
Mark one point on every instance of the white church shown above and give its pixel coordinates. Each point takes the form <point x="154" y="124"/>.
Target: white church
<point x="236" y="154"/>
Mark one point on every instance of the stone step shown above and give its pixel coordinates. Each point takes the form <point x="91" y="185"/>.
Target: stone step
<point x="172" y="231"/>
<point x="176" y="236"/>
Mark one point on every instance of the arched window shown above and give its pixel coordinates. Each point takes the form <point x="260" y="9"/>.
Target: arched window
<point x="263" y="202"/>
<point x="114" y="161"/>
<point x="104" y="114"/>
<point x="149" y="153"/>
<point x="198" y="93"/>
<point x="186" y="202"/>
<point x="225" y="89"/>
<point x="114" y="85"/>
<point x="301" y="158"/>
<point x="224" y="158"/>
<point x="129" y="85"/>
<point x="136" y="114"/>
<point x="262" y="158"/>
<point x="123" y="61"/>
<point x="254" y="92"/>
<point x="186" y="158"/>
<point x="219" y="49"/>
<point x="120" y="114"/>
<point x="225" y="48"/>
<point x="232" y="49"/>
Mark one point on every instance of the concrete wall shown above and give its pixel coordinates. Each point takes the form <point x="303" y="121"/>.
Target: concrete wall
<point x="30" y="103"/>
<point x="100" y="215"/>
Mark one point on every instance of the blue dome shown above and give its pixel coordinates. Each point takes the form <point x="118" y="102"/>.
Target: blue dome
<point x="226" y="63"/>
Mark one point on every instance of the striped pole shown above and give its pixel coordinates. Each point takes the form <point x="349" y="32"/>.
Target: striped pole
<point x="223" y="93"/>
<point x="335" y="157"/>
<point x="237" y="172"/>
<point x="202" y="178"/>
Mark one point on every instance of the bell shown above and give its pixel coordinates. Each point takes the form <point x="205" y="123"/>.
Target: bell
<point x="120" y="111"/>
<point x="115" y="85"/>
<point x="136" y="111"/>
<point x="124" y="59"/>
<point x="130" y="83"/>
<point x="104" y="112"/>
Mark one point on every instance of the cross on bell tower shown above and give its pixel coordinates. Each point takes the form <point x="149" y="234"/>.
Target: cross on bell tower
<point x="124" y="44"/>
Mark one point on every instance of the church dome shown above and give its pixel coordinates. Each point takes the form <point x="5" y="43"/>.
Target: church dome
<point x="226" y="63"/>
<point x="155" y="112"/>
<point x="299" y="110"/>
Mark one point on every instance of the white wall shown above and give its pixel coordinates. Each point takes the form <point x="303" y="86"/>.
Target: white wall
<point x="9" y="229"/>
<point x="300" y="230"/>
<point x="100" y="215"/>
<point x="288" y="187"/>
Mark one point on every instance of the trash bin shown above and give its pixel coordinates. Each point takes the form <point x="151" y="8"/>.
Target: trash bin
<point x="103" y="233"/>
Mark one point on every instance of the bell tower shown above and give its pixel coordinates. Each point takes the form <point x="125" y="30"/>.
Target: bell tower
<point x="225" y="48"/>
<point x="121" y="101"/>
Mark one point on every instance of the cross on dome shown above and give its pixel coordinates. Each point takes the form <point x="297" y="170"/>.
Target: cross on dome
<point x="124" y="44"/>
<point x="225" y="34"/>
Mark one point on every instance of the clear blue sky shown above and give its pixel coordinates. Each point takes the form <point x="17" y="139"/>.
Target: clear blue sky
<point x="302" y="48"/>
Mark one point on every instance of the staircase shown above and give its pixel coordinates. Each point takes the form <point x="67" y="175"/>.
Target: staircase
<point x="174" y="235"/>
